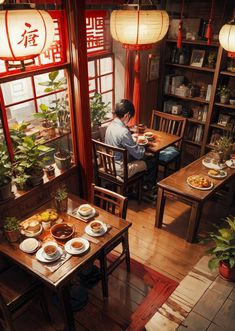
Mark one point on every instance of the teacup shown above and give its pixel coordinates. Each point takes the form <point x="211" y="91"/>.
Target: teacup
<point x="50" y="248"/>
<point x="77" y="244"/>
<point x="85" y="210"/>
<point x="96" y="226"/>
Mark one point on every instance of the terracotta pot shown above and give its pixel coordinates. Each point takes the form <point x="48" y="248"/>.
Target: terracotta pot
<point x="226" y="272"/>
<point x="12" y="236"/>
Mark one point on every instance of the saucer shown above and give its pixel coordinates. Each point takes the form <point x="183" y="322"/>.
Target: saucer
<point x="89" y="231"/>
<point x="23" y="245"/>
<point x="40" y="256"/>
<point x="230" y="163"/>
<point x="69" y="249"/>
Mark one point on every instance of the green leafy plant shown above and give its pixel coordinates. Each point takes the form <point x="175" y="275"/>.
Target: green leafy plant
<point x="99" y="109"/>
<point x="61" y="193"/>
<point x="59" y="107"/>
<point x="17" y="133"/>
<point x="224" y="144"/>
<point x="5" y="166"/>
<point x="223" y="90"/>
<point x="11" y="224"/>
<point x="223" y="249"/>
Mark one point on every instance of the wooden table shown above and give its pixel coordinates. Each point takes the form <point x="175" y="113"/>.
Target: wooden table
<point x="162" y="140"/>
<point x="59" y="279"/>
<point x="176" y="186"/>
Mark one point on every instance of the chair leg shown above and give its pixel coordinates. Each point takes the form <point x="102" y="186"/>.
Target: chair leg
<point x="139" y="191"/>
<point x="104" y="276"/>
<point x="165" y="172"/>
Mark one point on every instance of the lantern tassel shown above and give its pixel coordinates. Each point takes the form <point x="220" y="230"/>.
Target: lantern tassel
<point x="179" y="38"/>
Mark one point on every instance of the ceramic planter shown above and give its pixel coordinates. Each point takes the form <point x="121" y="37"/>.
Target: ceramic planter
<point x="63" y="160"/>
<point x="5" y="190"/>
<point x="12" y="236"/>
<point x="226" y="272"/>
<point x="36" y="178"/>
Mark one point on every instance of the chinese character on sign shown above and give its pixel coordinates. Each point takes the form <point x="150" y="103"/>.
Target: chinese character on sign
<point x="29" y="36"/>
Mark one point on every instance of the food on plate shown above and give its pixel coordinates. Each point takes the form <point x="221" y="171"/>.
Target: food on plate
<point x="31" y="226"/>
<point x="199" y="181"/>
<point x="141" y="140"/>
<point x="50" y="248"/>
<point x="213" y="172"/>
<point x="62" y="231"/>
<point x="48" y="215"/>
<point x="96" y="226"/>
<point x="77" y="244"/>
<point x="148" y="135"/>
<point x="85" y="210"/>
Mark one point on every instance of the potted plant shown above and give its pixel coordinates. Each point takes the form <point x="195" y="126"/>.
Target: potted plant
<point x="58" y="110"/>
<point x="223" y="250"/>
<point x="61" y="198"/>
<point x="63" y="159"/>
<point x="49" y="117"/>
<point x="5" y="174"/>
<point x="224" y="146"/>
<point x="11" y="229"/>
<point x="30" y="160"/>
<point x="224" y="92"/>
<point x="212" y="59"/>
<point x="99" y="110"/>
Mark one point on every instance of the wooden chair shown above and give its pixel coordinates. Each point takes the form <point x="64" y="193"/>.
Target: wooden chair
<point x="105" y="168"/>
<point x="17" y="288"/>
<point x="115" y="204"/>
<point x="172" y="124"/>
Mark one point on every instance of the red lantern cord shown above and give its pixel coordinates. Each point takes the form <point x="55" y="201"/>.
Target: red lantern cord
<point x="179" y="38"/>
<point x="209" y="30"/>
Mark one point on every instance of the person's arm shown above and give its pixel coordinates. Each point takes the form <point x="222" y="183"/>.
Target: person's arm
<point x="133" y="149"/>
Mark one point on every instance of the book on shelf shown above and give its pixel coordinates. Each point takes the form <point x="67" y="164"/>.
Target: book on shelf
<point x="194" y="133"/>
<point x="176" y="81"/>
<point x="200" y="112"/>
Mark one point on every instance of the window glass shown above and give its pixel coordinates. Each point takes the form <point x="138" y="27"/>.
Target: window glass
<point x="20" y="113"/>
<point x="43" y="79"/>
<point x="17" y="90"/>
<point x="106" y="65"/>
<point x="106" y="83"/>
<point x="91" y="69"/>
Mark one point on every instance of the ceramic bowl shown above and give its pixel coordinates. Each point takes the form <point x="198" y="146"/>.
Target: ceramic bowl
<point x="62" y="231"/>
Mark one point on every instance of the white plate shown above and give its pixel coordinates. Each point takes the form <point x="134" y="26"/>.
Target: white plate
<point x="230" y="163"/>
<point x="87" y="217"/>
<point x="73" y="251"/>
<point x="144" y="143"/>
<point x="40" y="255"/>
<point x="22" y="246"/>
<point x="200" y="188"/>
<point x="32" y="235"/>
<point x="221" y="175"/>
<point x="214" y="166"/>
<point x="89" y="231"/>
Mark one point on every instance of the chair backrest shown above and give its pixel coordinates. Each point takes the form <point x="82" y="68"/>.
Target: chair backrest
<point x="168" y="123"/>
<point x="110" y="201"/>
<point x="104" y="158"/>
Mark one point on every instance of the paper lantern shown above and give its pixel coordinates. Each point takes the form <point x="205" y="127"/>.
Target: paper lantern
<point x="227" y="36"/>
<point x="138" y="29"/>
<point x="25" y="33"/>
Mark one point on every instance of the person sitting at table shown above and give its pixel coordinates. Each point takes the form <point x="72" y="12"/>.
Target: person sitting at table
<point x="119" y="135"/>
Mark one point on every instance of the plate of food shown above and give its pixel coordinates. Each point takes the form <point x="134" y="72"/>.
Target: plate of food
<point x="230" y="163"/>
<point x="217" y="174"/>
<point x="199" y="182"/>
<point x="142" y="140"/>
<point x="208" y="163"/>
<point x="149" y="135"/>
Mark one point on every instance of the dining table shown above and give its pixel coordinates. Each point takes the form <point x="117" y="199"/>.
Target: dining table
<point x="161" y="140"/>
<point x="57" y="274"/>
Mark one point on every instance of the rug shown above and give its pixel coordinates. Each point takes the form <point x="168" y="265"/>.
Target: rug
<point x="160" y="286"/>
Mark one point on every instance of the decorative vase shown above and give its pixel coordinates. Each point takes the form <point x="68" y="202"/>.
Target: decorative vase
<point x="226" y="272"/>
<point x="12" y="236"/>
<point x="62" y="205"/>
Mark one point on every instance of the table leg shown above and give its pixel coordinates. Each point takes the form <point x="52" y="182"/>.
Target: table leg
<point x="67" y="308"/>
<point x="161" y="199"/>
<point x="194" y="220"/>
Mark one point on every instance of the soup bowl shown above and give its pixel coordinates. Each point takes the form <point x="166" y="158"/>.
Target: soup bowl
<point x="62" y="231"/>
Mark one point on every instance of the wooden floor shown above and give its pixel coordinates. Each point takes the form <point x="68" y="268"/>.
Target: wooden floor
<point x="164" y="250"/>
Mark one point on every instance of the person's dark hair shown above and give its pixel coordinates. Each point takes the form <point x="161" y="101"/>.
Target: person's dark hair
<point x="123" y="107"/>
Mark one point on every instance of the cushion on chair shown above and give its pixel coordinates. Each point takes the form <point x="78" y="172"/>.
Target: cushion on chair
<point x="168" y="154"/>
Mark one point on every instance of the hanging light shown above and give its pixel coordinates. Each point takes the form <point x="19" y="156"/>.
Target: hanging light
<point x="25" y="32"/>
<point x="227" y="36"/>
<point x="138" y="26"/>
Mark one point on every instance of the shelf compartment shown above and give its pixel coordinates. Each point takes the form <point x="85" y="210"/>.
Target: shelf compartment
<point x="199" y="100"/>
<point x="227" y="73"/>
<point x="193" y="120"/>
<point x="194" y="42"/>
<point x="225" y="105"/>
<point x="196" y="143"/>
<point x="184" y="66"/>
<point x="217" y="126"/>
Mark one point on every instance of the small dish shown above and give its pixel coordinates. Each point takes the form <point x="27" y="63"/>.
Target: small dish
<point x="194" y="181"/>
<point x="230" y="163"/>
<point x="220" y="174"/>
<point x="149" y="135"/>
<point x="69" y="249"/>
<point x="91" y="233"/>
<point x="92" y="214"/>
<point x="62" y="231"/>
<point x="29" y="245"/>
<point x="142" y="141"/>
<point x="31" y="234"/>
<point x="50" y="249"/>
